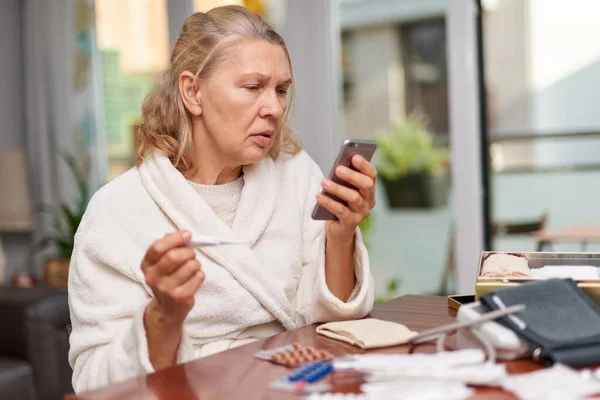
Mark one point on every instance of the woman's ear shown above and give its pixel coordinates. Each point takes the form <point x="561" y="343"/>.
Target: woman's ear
<point x="189" y="89"/>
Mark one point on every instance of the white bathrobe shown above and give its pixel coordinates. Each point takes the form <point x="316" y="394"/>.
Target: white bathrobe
<point x="278" y="280"/>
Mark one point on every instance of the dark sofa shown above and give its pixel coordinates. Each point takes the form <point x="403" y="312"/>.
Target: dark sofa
<point x="34" y="344"/>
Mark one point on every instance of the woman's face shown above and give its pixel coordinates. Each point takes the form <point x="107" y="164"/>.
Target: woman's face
<point x="243" y="102"/>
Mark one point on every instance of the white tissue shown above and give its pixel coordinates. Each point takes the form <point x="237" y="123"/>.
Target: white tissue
<point x="394" y="362"/>
<point x="426" y="389"/>
<point x="465" y="366"/>
<point x="403" y="390"/>
<point x="336" y="396"/>
<point x="557" y="382"/>
<point x="484" y="374"/>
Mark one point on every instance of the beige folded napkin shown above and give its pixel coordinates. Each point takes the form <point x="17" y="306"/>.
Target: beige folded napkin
<point x="367" y="333"/>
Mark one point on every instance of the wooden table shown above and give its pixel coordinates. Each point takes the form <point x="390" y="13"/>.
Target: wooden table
<point x="237" y="374"/>
<point x="580" y="233"/>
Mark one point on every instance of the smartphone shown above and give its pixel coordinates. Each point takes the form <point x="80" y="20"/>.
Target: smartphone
<point x="350" y="147"/>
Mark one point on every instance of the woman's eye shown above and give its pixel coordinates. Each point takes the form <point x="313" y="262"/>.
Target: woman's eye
<point x="282" y="92"/>
<point x="252" y="88"/>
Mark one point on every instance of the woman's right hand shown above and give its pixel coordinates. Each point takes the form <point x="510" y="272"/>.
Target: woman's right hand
<point x="174" y="275"/>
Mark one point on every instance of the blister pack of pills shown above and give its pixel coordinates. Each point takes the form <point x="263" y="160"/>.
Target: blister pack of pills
<point x="293" y="355"/>
<point x="305" y="379"/>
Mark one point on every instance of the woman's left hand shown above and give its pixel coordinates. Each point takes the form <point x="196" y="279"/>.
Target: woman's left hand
<point x="360" y="200"/>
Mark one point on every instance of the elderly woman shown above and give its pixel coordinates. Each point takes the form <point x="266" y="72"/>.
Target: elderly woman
<point x="215" y="157"/>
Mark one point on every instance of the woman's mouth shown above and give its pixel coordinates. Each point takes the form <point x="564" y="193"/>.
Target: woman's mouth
<point x="263" y="139"/>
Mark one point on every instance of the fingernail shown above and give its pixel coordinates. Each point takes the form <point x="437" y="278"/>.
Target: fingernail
<point x="358" y="160"/>
<point x="187" y="235"/>
<point x="325" y="183"/>
<point x="341" y="171"/>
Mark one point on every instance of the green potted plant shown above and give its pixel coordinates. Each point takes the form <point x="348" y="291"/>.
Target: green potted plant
<point x="413" y="170"/>
<point x="65" y="221"/>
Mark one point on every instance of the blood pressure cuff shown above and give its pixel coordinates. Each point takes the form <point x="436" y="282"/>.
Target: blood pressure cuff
<point x="560" y="322"/>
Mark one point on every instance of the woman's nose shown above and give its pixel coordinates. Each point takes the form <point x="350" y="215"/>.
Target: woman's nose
<point x="272" y="107"/>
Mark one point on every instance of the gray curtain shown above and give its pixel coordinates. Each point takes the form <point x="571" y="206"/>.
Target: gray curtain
<point x="42" y="75"/>
<point x="60" y="101"/>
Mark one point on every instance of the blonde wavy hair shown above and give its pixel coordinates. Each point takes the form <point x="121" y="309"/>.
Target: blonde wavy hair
<point x="166" y="123"/>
